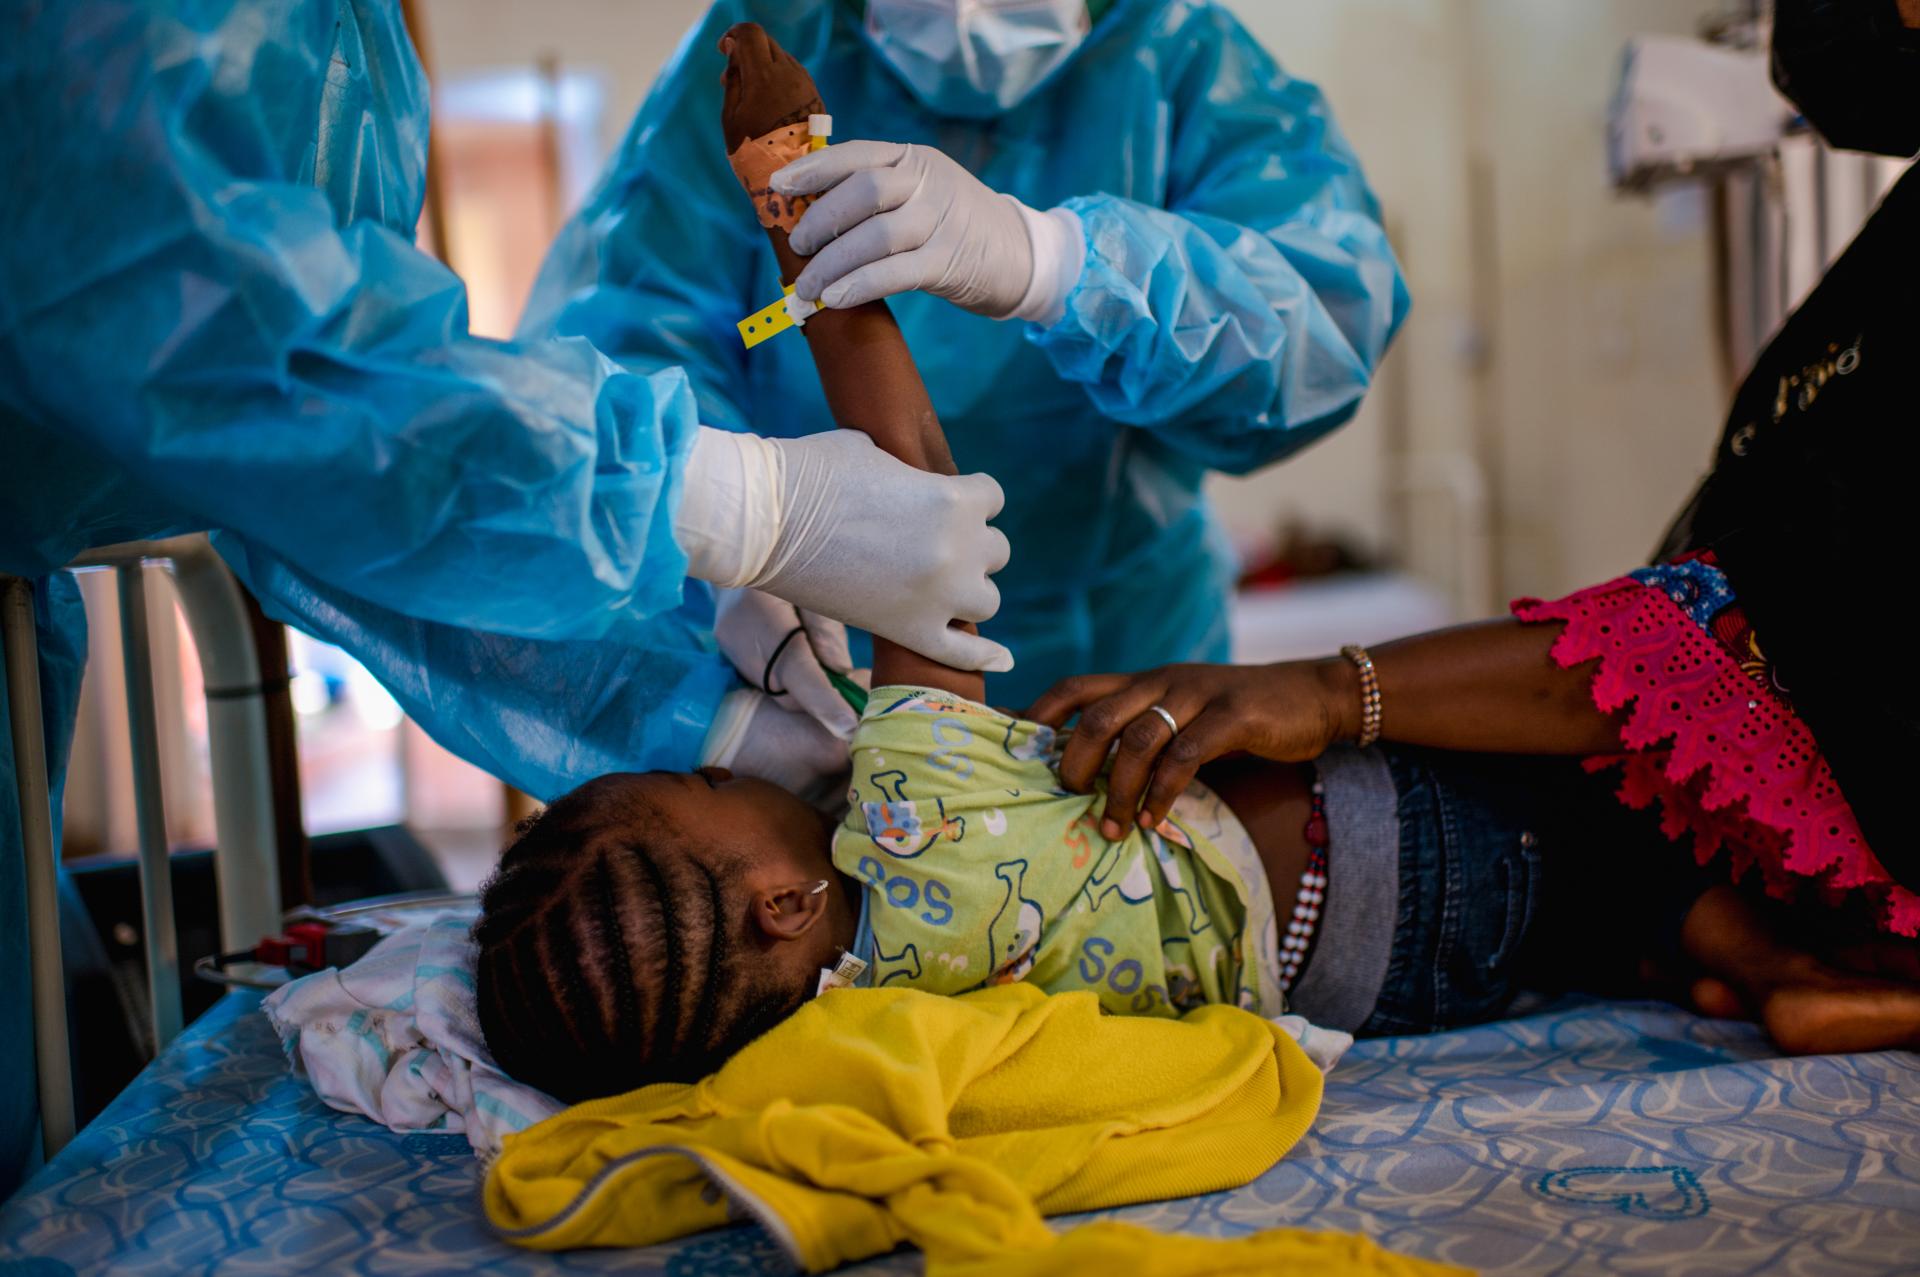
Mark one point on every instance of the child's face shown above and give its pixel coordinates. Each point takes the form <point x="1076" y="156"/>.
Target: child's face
<point x="773" y="845"/>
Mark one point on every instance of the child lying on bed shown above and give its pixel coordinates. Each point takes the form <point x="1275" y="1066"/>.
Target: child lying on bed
<point x="647" y="926"/>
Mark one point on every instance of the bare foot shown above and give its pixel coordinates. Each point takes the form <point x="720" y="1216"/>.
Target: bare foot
<point x="1839" y="1012"/>
<point x="1718" y="1000"/>
<point x="1809" y="1007"/>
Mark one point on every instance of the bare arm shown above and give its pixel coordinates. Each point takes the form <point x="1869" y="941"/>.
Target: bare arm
<point x="866" y="370"/>
<point x="1491" y="687"/>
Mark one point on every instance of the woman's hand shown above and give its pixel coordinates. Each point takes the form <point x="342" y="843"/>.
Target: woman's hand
<point x="1288" y="713"/>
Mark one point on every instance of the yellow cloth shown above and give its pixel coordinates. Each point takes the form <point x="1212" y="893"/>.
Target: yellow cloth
<point x="1122" y="1250"/>
<point x="877" y="1116"/>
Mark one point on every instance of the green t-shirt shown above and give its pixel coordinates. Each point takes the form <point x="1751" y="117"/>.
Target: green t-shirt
<point x="979" y="869"/>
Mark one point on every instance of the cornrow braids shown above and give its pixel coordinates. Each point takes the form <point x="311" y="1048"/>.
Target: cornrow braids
<point x="607" y="964"/>
<point x="666" y="1020"/>
<point x="626" y="998"/>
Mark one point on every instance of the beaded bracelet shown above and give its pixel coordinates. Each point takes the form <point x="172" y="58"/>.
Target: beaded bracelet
<point x="1312" y="895"/>
<point x="1370" y="707"/>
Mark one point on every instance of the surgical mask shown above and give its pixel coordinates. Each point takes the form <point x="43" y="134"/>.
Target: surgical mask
<point x="1853" y="69"/>
<point x="976" y="57"/>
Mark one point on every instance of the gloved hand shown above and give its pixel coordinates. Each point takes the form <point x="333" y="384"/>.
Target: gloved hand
<point x="832" y="524"/>
<point x="754" y="736"/>
<point x="898" y="218"/>
<point x="786" y="653"/>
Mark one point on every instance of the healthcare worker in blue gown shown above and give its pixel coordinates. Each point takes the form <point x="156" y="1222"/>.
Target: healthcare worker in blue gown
<point x="1125" y="247"/>
<point x="212" y="315"/>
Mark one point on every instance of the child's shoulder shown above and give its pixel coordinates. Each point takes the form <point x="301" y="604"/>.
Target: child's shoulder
<point x="901" y="698"/>
<point x="962" y="739"/>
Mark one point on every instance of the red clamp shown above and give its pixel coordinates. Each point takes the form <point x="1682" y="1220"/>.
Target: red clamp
<point x="312" y="946"/>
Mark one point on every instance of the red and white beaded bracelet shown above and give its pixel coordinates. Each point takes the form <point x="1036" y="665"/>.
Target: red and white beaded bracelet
<point x="1312" y="895"/>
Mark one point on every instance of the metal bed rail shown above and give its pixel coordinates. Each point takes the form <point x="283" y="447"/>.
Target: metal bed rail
<point x="247" y="874"/>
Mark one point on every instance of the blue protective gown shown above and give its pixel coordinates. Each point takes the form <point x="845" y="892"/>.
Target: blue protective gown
<point x="1238" y="293"/>
<point x="212" y="315"/>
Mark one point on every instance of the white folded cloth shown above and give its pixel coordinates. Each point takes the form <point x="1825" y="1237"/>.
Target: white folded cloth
<point x="396" y="1037"/>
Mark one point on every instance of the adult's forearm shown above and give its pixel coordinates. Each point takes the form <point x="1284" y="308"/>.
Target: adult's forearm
<point x="1491" y="687"/>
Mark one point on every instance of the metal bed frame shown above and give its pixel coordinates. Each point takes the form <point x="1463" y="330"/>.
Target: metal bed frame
<point x="247" y="873"/>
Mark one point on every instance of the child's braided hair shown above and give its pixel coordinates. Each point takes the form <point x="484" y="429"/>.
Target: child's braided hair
<point x="606" y="964"/>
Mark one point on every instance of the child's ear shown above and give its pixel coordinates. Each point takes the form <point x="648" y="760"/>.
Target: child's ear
<point x="789" y="911"/>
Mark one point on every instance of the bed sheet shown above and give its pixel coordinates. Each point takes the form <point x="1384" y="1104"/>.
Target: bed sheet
<point x="1585" y="1138"/>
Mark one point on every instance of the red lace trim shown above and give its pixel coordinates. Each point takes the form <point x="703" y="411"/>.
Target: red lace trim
<point x="1727" y="760"/>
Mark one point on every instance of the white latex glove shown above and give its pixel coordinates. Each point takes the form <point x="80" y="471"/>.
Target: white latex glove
<point x="834" y="525"/>
<point x="897" y="218"/>
<point x="786" y="652"/>
<point x="753" y="736"/>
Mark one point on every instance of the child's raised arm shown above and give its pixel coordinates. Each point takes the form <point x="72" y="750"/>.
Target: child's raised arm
<point x="868" y="375"/>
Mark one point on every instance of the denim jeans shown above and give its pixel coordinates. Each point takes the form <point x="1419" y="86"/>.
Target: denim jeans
<point x="1473" y="834"/>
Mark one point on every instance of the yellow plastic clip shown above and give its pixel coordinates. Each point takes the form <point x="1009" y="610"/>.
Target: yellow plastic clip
<point x="770" y="321"/>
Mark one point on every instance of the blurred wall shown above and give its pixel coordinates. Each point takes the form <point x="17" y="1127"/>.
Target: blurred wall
<point x="1606" y="397"/>
<point x="623" y="42"/>
<point x="1561" y="337"/>
<point x="1554" y="394"/>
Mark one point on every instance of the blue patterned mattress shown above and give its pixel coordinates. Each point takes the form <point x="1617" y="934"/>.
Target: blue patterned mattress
<point x="1586" y="1138"/>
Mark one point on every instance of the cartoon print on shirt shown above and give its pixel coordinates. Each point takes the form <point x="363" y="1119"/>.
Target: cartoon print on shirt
<point x="898" y="826"/>
<point x="1184" y="991"/>
<point x="1024" y="745"/>
<point x="1134" y="885"/>
<point x="1013" y="937"/>
<point x="1041" y="907"/>
<point x="899" y="830"/>
<point x="952" y="735"/>
<point x="891" y="783"/>
<point x="904" y="965"/>
<point x="1197" y="919"/>
<point x="1079" y="840"/>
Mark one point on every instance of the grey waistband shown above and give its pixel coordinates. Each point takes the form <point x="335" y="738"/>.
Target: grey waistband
<point x="1349" y="964"/>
